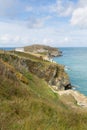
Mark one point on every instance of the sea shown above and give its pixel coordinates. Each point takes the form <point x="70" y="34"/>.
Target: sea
<point x="75" y="61"/>
<point x="7" y="48"/>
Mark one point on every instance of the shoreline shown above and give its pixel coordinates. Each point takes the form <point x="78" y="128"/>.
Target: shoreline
<point x="80" y="98"/>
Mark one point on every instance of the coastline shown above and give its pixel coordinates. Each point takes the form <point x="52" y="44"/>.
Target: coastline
<point x="81" y="99"/>
<point x="74" y="58"/>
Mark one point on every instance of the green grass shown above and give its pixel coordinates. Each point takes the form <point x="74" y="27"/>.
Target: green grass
<point x="27" y="55"/>
<point x="34" y="106"/>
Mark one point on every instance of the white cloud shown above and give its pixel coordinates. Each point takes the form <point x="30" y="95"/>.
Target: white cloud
<point x="42" y="28"/>
<point x="37" y="22"/>
<point x="79" y="17"/>
<point x="10" y="39"/>
<point x="16" y="39"/>
<point x="13" y="34"/>
<point x="62" y="8"/>
<point x="47" y="41"/>
<point x="17" y="34"/>
<point x="66" y="39"/>
<point x="5" y="38"/>
<point x="28" y="8"/>
<point x="82" y="3"/>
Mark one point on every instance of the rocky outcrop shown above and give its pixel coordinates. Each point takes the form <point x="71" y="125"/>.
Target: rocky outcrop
<point x="9" y="72"/>
<point x="52" y="73"/>
<point x="42" y="49"/>
<point x="57" y="78"/>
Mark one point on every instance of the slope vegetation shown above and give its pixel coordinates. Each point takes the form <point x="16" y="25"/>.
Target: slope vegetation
<point x="28" y="103"/>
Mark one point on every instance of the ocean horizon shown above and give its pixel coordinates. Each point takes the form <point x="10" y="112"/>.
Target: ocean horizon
<point x="7" y="48"/>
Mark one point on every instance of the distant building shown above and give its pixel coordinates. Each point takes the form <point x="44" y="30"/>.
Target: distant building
<point x="19" y="49"/>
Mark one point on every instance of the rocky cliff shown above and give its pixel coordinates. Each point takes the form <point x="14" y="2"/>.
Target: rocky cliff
<point x="42" y="49"/>
<point x="25" y="95"/>
<point x="22" y="63"/>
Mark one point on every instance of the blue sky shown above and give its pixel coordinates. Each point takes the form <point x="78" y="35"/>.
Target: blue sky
<point x="50" y="22"/>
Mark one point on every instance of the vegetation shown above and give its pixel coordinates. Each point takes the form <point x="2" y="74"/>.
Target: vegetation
<point x="34" y="106"/>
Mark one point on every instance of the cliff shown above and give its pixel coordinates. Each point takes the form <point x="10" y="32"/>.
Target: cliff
<point x="52" y="73"/>
<point x="27" y="101"/>
<point x="44" y="50"/>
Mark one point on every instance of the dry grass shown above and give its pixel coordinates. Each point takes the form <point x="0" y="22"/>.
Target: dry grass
<point x="34" y="106"/>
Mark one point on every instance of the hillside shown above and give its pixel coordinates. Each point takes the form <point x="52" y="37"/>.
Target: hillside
<point x="42" y="49"/>
<point x="26" y="100"/>
<point x="52" y="73"/>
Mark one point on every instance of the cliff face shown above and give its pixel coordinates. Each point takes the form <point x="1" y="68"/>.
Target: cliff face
<point x="21" y="101"/>
<point x="42" y="49"/>
<point x="8" y="71"/>
<point x="52" y="73"/>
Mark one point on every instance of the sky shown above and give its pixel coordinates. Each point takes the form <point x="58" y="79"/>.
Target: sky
<point x="59" y="23"/>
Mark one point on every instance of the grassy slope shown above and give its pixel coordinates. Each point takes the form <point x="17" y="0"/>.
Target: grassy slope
<point x="36" y="107"/>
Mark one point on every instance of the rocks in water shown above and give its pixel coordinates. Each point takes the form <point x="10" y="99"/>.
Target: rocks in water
<point x="68" y="86"/>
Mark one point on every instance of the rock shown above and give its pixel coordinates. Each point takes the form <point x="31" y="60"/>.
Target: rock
<point x="9" y="72"/>
<point x="52" y="73"/>
<point x="81" y="100"/>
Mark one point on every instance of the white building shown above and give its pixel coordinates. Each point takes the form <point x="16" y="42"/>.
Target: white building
<point x="19" y="49"/>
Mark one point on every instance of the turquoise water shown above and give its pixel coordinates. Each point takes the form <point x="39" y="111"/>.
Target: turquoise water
<point x="76" y="60"/>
